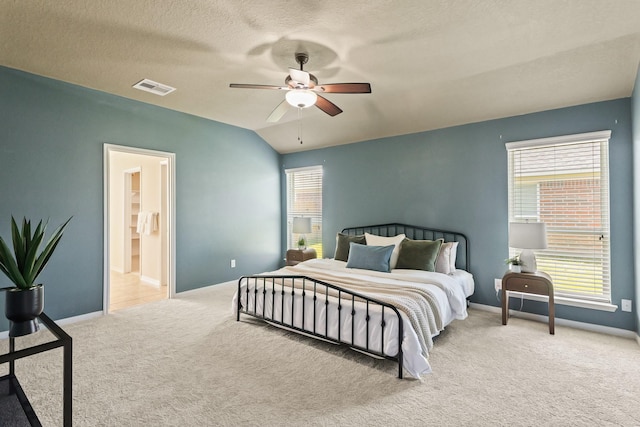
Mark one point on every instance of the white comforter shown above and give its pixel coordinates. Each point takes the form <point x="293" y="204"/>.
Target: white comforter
<point x="445" y="301"/>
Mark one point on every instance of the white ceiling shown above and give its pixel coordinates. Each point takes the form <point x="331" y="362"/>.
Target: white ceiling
<point x="431" y="64"/>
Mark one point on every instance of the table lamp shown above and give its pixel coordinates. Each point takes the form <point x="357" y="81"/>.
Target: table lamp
<point x="528" y="236"/>
<point x="302" y="226"/>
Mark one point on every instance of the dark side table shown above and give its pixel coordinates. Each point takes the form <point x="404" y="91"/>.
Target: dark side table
<point x="296" y="256"/>
<point x="15" y="409"/>
<point x="538" y="283"/>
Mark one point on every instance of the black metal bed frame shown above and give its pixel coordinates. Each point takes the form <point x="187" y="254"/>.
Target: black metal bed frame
<point x="419" y="233"/>
<point x="320" y="290"/>
<point x="273" y="284"/>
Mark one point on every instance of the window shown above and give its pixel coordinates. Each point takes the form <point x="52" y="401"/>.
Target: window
<point x="564" y="182"/>
<point x="304" y="198"/>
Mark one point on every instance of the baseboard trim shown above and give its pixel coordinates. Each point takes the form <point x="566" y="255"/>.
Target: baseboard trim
<point x="87" y="316"/>
<point x="65" y="321"/>
<point x="148" y="280"/>
<point x="202" y="288"/>
<point x="564" y="322"/>
<point x="80" y="318"/>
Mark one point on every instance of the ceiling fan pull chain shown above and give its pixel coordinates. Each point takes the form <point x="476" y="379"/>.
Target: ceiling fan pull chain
<point x="299" y="126"/>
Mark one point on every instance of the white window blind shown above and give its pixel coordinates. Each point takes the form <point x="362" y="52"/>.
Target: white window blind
<point x="564" y="182"/>
<point x="304" y="199"/>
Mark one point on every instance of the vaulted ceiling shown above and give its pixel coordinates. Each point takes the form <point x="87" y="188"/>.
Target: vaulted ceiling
<point x="431" y="64"/>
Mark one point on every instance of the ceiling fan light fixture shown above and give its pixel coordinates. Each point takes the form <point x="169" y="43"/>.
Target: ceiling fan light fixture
<point x="300" y="91"/>
<point x="301" y="98"/>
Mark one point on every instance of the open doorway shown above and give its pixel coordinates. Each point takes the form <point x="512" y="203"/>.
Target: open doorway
<point x="139" y="226"/>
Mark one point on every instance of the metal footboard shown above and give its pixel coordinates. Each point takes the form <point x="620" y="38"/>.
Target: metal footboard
<point x="326" y="300"/>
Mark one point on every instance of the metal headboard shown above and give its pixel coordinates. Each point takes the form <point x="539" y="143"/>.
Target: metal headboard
<point x="418" y="233"/>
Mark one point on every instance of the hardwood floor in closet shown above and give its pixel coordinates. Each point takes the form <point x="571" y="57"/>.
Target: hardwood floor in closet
<point x="128" y="290"/>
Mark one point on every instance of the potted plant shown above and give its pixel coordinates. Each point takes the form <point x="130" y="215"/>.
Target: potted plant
<point x="302" y="244"/>
<point x="515" y="264"/>
<point x="25" y="301"/>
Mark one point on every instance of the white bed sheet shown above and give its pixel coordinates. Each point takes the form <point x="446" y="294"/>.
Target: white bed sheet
<point x="449" y="292"/>
<point x="466" y="281"/>
<point x="462" y="277"/>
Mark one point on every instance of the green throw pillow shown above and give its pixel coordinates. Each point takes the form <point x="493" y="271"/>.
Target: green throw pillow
<point x="419" y="254"/>
<point x="342" y="245"/>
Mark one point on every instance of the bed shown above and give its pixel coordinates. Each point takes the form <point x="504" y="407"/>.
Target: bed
<point x="391" y="311"/>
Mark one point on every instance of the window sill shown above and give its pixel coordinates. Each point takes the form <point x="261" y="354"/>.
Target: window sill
<point x="592" y="305"/>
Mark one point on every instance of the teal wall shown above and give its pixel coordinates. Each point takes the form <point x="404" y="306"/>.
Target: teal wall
<point x="51" y="166"/>
<point x="635" y="119"/>
<point x="456" y="179"/>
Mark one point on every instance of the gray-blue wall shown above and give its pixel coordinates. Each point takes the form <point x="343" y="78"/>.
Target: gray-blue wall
<point x="229" y="187"/>
<point x="456" y="179"/>
<point x="51" y="166"/>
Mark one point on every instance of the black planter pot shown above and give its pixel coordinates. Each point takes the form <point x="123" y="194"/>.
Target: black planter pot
<point x="22" y="307"/>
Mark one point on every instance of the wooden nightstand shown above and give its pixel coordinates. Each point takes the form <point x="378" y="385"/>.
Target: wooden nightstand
<point x="295" y="256"/>
<point x="531" y="283"/>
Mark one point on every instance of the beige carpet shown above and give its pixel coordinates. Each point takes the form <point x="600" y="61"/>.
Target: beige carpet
<point x="187" y="362"/>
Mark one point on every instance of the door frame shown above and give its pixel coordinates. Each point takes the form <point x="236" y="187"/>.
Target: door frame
<point x="171" y="216"/>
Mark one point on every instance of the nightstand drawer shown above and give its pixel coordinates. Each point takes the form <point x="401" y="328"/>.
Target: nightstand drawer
<point x="530" y="285"/>
<point x="295" y="255"/>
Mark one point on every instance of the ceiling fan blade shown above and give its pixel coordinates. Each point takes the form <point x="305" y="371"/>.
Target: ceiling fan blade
<point x="249" y="86"/>
<point x="345" y="88"/>
<point x="278" y="112"/>
<point x="327" y="106"/>
<point x="299" y="76"/>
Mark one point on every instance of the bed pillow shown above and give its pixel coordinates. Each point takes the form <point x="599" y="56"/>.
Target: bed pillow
<point x="373" y="240"/>
<point x="370" y="257"/>
<point x="342" y="245"/>
<point x="419" y="254"/>
<point x="446" y="261"/>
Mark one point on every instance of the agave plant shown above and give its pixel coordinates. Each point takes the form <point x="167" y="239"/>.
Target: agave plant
<point x="24" y="265"/>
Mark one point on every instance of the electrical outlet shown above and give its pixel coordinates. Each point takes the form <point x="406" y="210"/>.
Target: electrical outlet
<point x="498" y="284"/>
<point x="626" y="305"/>
<point x="233" y="263"/>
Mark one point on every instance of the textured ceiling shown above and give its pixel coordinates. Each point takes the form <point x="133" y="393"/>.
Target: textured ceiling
<point x="431" y="64"/>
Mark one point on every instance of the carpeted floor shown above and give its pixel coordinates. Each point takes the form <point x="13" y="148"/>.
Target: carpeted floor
<point x="187" y="362"/>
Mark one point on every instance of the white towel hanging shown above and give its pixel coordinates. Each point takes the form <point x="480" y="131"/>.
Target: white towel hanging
<point x="148" y="222"/>
<point x="140" y="223"/>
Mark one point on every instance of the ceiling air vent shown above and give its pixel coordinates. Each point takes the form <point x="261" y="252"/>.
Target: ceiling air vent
<point x="154" y="87"/>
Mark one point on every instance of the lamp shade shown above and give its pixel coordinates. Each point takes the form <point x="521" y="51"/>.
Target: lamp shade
<point x="301" y="98"/>
<point x="528" y="235"/>
<point x="302" y="225"/>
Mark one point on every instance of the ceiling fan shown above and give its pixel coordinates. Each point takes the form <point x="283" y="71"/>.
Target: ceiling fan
<point x="303" y="91"/>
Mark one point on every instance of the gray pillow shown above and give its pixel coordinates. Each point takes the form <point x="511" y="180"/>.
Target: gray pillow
<point x="370" y="257"/>
<point x="419" y="254"/>
<point x="342" y="245"/>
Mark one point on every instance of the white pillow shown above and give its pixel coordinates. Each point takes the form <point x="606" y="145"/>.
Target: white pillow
<point x="446" y="261"/>
<point x="373" y="240"/>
